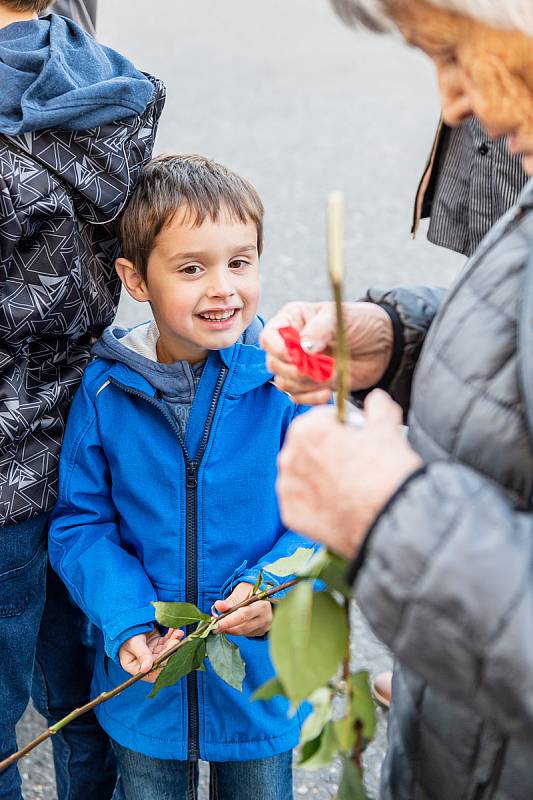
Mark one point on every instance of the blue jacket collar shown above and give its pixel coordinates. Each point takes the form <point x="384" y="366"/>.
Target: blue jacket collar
<point x="246" y="365"/>
<point x="249" y="368"/>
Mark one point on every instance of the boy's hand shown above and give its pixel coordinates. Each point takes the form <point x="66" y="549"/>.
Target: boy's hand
<point x="139" y="653"/>
<point x="254" y="620"/>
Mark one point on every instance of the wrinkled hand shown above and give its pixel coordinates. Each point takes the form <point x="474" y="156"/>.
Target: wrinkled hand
<point x="139" y="653"/>
<point x="334" y="479"/>
<point x="369" y="335"/>
<point x="253" y="620"/>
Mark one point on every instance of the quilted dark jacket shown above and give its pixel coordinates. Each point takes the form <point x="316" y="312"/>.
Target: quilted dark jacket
<point x="60" y="193"/>
<point x="447" y="581"/>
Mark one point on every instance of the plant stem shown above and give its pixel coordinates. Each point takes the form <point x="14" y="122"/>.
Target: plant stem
<point x="159" y="662"/>
<point x="358" y="745"/>
<point x="358" y="749"/>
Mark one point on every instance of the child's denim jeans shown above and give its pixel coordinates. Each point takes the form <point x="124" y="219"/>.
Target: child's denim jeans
<point x="145" y="778"/>
<point x="45" y="652"/>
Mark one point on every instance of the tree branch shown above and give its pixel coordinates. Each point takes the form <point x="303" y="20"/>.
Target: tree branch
<point x="158" y="663"/>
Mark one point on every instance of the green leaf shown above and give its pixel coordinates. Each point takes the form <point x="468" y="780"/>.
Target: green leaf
<point x="315" y="564"/>
<point x="188" y="658"/>
<point x="268" y="690"/>
<point x="334" y="573"/>
<point x="225" y="658"/>
<point x="308" y="750"/>
<point x="320" y="751"/>
<point x="258" y="583"/>
<point x="177" y="615"/>
<point x="308" y="640"/>
<point x="291" y="565"/>
<point x="330" y="568"/>
<point x="351" y="785"/>
<point x="363" y="708"/>
<point x="205" y="634"/>
<point x="345" y="733"/>
<point x="289" y="640"/>
<point x="322" y="711"/>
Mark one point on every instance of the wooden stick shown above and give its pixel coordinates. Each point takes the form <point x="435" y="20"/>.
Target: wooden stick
<point x="335" y="219"/>
<point x="336" y="274"/>
<point x="160" y="662"/>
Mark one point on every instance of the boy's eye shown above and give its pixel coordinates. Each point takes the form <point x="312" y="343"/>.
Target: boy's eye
<point x="191" y="269"/>
<point x="238" y="263"/>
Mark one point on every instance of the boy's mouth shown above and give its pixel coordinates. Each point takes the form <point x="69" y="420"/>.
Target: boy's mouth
<point x="219" y="316"/>
<point x="219" y="319"/>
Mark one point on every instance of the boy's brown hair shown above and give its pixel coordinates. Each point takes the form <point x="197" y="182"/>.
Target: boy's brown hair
<point x="203" y="187"/>
<point x="38" y="6"/>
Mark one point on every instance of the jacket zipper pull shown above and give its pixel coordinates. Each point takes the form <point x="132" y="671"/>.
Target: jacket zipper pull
<point x="192" y="480"/>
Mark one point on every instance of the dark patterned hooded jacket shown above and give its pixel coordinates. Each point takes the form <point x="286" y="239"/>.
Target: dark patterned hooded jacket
<point x="60" y="192"/>
<point x="447" y="581"/>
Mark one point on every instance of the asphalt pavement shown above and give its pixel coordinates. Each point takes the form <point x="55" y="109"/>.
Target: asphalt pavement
<point x="282" y="92"/>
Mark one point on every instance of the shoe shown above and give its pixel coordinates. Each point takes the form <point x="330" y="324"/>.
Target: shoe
<point x="382" y="688"/>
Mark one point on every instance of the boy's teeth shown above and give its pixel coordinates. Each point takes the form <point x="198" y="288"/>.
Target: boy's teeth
<point x="221" y="315"/>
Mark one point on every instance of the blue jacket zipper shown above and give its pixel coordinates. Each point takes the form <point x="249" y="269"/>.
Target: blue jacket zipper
<point x="191" y="532"/>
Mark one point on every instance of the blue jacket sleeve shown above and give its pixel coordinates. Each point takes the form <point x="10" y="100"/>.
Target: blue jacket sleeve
<point x="108" y="583"/>
<point x="287" y="543"/>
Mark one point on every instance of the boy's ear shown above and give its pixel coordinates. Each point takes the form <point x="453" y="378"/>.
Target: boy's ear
<point x="134" y="284"/>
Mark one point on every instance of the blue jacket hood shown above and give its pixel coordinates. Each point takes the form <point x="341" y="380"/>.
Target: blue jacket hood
<point x="249" y="373"/>
<point x="55" y="75"/>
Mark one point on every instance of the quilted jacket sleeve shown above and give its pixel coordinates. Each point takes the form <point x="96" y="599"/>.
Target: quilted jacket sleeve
<point x="99" y="168"/>
<point x="455" y="606"/>
<point x="117" y="154"/>
<point x="412" y="311"/>
<point x="108" y="583"/>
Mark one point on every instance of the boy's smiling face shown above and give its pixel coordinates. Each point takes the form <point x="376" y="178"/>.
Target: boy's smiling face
<point x="202" y="284"/>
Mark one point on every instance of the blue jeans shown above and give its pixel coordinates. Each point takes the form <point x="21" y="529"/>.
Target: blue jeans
<point x="145" y="778"/>
<point x="45" y="651"/>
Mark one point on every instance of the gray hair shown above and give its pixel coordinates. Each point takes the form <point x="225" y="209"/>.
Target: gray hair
<point x="376" y="14"/>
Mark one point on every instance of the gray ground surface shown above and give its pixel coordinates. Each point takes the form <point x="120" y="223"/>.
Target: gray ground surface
<point x="282" y="92"/>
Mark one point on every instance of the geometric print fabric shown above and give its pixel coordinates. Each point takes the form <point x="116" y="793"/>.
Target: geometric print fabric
<point x="60" y="193"/>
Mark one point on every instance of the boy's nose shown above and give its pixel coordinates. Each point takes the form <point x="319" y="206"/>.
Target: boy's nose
<point x="221" y="289"/>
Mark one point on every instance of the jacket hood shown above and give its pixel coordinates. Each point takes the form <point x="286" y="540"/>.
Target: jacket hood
<point x="135" y="348"/>
<point x="99" y="167"/>
<point x="55" y="75"/>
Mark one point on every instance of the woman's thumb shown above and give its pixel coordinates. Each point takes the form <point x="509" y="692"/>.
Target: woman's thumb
<point x="319" y="332"/>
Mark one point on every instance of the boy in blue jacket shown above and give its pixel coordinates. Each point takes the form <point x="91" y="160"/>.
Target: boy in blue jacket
<point x="167" y="488"/>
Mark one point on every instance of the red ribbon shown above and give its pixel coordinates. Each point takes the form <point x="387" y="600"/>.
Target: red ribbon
<point x="318" y="367"/>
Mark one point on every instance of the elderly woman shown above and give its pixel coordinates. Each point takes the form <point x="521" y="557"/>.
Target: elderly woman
<point x="439" y="527"/>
